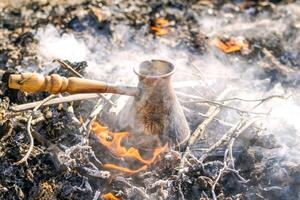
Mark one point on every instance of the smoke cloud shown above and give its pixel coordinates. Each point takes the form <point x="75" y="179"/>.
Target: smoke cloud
<point x="112" y="59"/>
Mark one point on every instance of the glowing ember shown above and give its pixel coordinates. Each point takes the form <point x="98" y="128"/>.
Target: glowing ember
<point x="160" y="27"/>
<point x="112" y="141"/>
<point x="109" y="196"/>
<point x="230" y="46"/>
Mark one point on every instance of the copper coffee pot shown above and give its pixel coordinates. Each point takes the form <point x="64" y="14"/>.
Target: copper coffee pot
<point x="154" y="115"/>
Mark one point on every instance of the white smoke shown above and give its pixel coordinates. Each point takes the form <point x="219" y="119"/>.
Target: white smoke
<point x="65" y="46"/>
<point x="113" y="60"/>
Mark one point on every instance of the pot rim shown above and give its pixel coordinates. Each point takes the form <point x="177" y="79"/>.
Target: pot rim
<point x="168" y="74"/>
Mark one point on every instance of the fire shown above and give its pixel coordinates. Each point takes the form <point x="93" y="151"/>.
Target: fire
<point x="231" y="45"/>
<point x="109" y="196"/>
<point x="124" y="169"/>
<point x="160" y="27"/>
<point x="112" y="141"/>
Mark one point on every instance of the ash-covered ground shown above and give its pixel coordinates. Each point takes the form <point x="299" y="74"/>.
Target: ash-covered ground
<point x="104" y="40"/>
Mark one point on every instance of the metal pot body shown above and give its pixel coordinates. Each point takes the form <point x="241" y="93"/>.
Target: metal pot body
<point x="155" y="117"/>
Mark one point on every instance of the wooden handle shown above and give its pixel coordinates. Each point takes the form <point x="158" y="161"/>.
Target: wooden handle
<point x="33" y="82"/>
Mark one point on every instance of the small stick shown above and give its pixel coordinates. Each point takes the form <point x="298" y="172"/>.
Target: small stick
<point x="70" y="111"/>
<point x="88" y="122"/>
<point x="235" y="131"/>
<point x="228" y="124"/>
<point x="68" y="67"/>
<point x="255" y="100"/>
<point x="201" y="98"/>
<point x="24" y="159"/>
<point x="222" y="101"/>
<point x="75" y="73"/>
<point x="217" y="120"/>
<point x="237" y="27"/>
<point x="97" y="194"/>
<point x="219" y="176"/>
<point x="180" y="191"/>
<point x="226" y="168"/>
<point x="225" y="106"/>
<point x="282" y="68"/>
<point x="75" y="97"/>
<point x="95" y="111"/>
<point x="212" y="112"/>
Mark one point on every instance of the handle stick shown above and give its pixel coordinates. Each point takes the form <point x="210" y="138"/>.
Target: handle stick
<point x="33" y="82"/>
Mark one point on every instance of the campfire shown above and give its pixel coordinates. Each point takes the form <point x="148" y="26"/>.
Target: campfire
<point x="129" y="100"/>
<point x="112" y="141"/>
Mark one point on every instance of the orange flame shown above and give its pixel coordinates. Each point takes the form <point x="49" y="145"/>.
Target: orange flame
<point x="112" y="141"/>
<point x="109" y="196"/>
<point x="124" y="169"/>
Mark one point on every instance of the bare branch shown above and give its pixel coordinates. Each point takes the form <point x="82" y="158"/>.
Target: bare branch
<point x="24" y="159"/>
<point x="280" y="67"/>
<point x="235" y="131"/>
<point x="65" y="99"/>
<point x="198" y="133"/>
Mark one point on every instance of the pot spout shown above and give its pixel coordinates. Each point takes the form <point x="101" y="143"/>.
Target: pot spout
<point x="33" y="82"/>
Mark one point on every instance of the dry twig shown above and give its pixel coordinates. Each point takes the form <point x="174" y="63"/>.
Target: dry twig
<point x="219" y="176"/>
<point x="70" y="98"/>
<point x="75" y="73"/>
<point x="255" y="100"/>
<point x="88" y="122"/>
<point x="235" y="131"/>
<point x="70" y="111"/>
<point x="282" y="68"/>
<point x="212" y="113"/>
<point x="68" y="67"/>
<point x="24" y="159"/>
<point x="224" y="170"/>
<point x="217" y="103"/>
<point x="97" y="194"/>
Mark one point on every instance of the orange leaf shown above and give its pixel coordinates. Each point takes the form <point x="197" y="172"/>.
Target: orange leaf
<point x="230" y="46"/>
